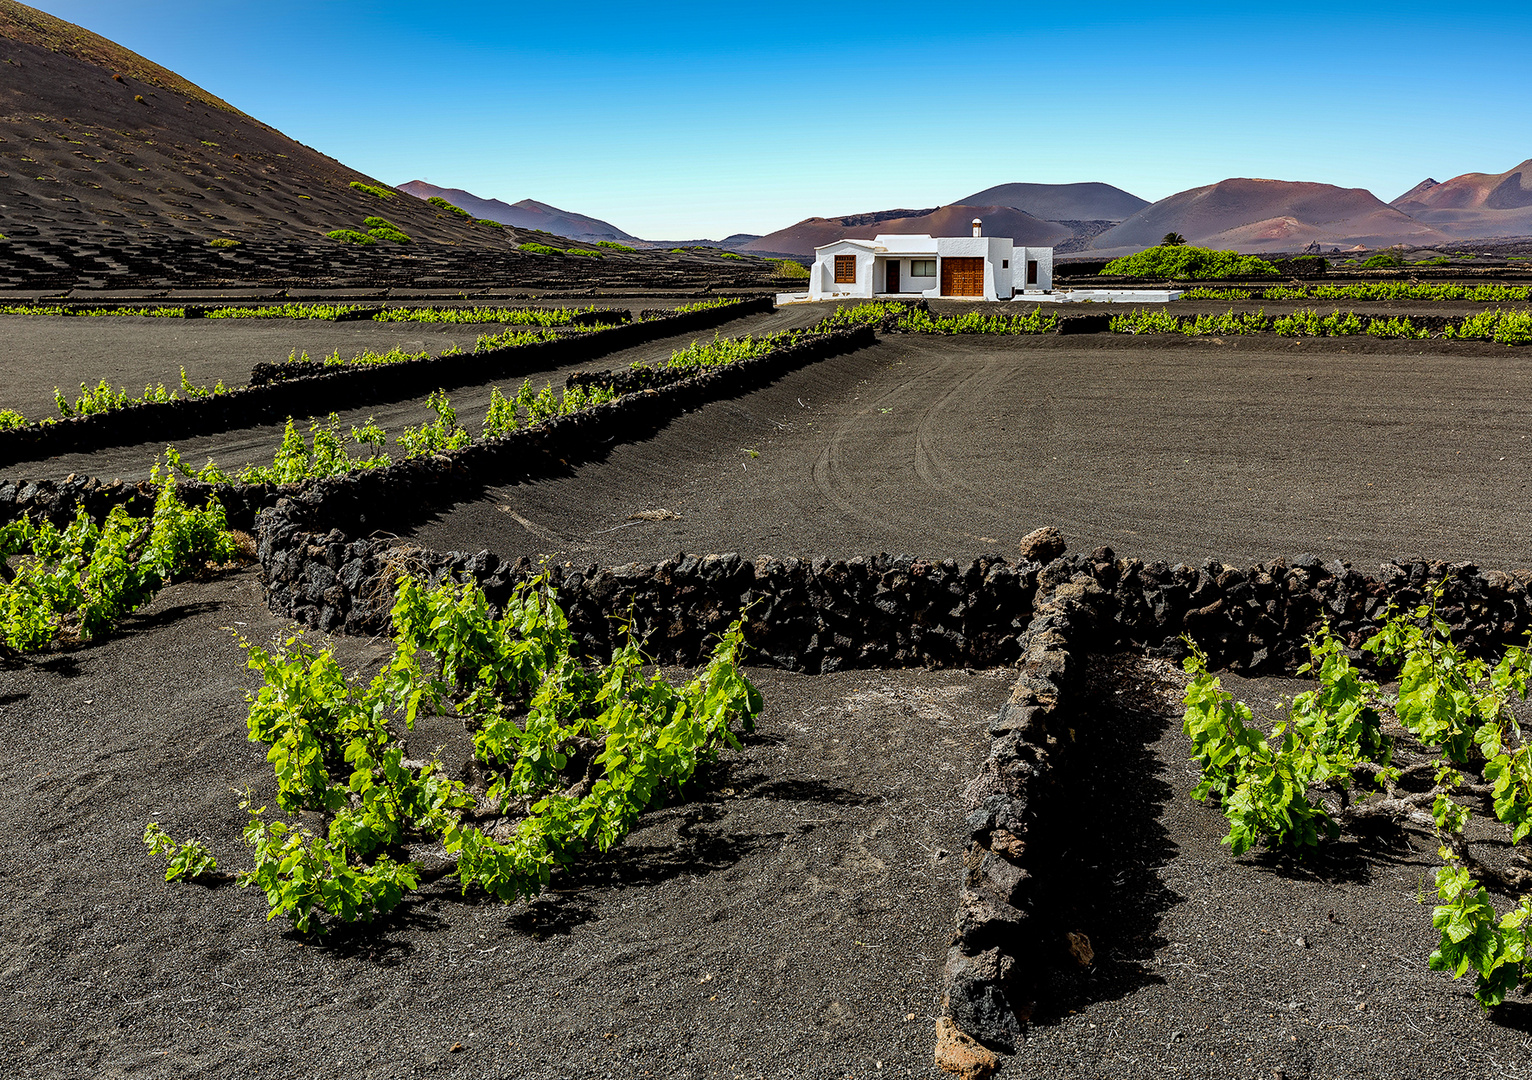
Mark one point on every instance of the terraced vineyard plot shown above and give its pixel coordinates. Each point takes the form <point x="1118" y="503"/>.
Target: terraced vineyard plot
<point x="955" y="447"/>
<point x="255" y="444"/>
<point x="1211" y="967"/>
<point x="129" y="351"/>
<point x="784" y="919"/>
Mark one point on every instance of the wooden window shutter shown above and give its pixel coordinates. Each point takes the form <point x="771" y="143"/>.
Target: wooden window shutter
<point x="845" y="269"/>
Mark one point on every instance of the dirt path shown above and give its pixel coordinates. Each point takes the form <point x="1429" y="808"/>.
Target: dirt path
<point x="782" y="923"/>
<point x="1178" y="449"/>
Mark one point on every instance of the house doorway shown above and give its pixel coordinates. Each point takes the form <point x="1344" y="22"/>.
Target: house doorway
<point x="962" y="277"/>
<point x="891" y="282"/>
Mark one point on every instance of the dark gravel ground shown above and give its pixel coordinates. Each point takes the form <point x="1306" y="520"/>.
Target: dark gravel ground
<point x="788" y="921"/>
<point x="256" y="444"/>
<point x="1213" y="967"/>
<point x="1173" y="448"/>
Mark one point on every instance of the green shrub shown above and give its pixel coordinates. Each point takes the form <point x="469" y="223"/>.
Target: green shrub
<point x="491" y="224"/>
<point x="224" y="242"/>
<point x="436" y="436"/>
<point x="1219" y="294"/>
<point x="789" y="270"/>
<point x="1182" y="261"/>
<point x="384" y="229"/>
<point x="283" y="311"/>
<point x="324" y="455"/>
<point x="541" y="716"/>
<point x="373" y="189"/>
<point x="1230" y="323"/>
<point x="613" y="245"/>
<point x="704" y="305"/>
<point x="1306" y="322"/>
<point x="1154" y="321"/>
<point x="1382" y="260"/>
<point x="540" y="249"/>
<point x="442" y="204"/>
<point x="1398" y="327"/>
<point x="582" y="251"/>
<point x="1505" y="327"/>
<point x="505" y="316"/>
<point x="11" y="419"/>
<point x="351" y="236"/>
<point x="730" y="255"/>
<point x="76" y="582"/>
<point x="507" y="339"/>
<point x="913" y="320"/>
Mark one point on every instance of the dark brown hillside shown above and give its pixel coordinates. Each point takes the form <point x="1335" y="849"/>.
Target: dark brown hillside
<point x="98" y="138"/>
<point x="1248" y="214"/>
<point x="1475" y="204"/>
<point x="117" y="173"/>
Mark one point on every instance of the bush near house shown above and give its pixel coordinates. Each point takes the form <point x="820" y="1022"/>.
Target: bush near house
<point x="1185" y="261"/>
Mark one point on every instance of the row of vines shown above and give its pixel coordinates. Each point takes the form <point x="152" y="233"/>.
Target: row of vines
<point x="1443" y="751"/>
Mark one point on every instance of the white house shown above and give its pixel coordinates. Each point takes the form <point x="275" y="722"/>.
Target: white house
<point x="977" y="266"/>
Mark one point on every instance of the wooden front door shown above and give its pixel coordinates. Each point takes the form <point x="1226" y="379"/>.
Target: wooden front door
<point x="891" y="280"/>
<point x="962" y="277"/>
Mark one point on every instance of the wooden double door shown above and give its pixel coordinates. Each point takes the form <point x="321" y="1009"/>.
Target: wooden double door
<point x="962" y="277"/>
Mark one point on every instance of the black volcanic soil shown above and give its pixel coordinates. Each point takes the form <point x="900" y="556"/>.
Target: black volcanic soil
<point x="1209" y="967"/>
<point x="1163" y="447"/>
<point x="228" y="348"/>
<point x="788" y="920"/>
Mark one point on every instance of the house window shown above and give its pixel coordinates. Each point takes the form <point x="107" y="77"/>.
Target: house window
<point x="1005" y="264"/>
<point x="1031" y="271"/>
<point x="922" y="268"/>
<point x="845" y="269"/>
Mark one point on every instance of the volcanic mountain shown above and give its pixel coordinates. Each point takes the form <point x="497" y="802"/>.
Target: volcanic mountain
<point x="526" y="214"/>
<point x="1062" y="202"/>
<point x="97" y="141"/>
<point x="1268" y="215"/>
<point x="803" y="237"/>
<point x="1475" y="204"/>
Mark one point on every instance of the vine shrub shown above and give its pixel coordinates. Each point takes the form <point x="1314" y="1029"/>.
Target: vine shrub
<point x="568" y="753"/>
<point x="325" y="454"/>
<point x="1506" y="327"/>
<point x="1185" y="261"/>
<point x="76" y="582"/>
<point x="1330" y="764"/>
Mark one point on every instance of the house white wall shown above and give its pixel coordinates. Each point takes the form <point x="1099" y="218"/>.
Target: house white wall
<point x="1044" y="257"/>
<point x="1004" y="265"/>
<point x="994" y="250"/>
<point x="822" y="283"/>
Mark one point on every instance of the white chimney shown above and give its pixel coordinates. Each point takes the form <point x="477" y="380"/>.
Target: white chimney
<point x="978" y="227"/>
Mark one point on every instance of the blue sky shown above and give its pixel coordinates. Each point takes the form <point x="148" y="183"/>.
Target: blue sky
<point x="681" y="121"/>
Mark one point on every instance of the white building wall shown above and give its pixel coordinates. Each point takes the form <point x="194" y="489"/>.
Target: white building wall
<point x="996" y="251"/>
<point x="822" y="283"/>
<point x="1044" y="257"/>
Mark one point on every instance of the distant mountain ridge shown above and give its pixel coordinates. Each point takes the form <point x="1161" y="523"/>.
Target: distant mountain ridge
<point x="1062" y="202"/>
<point x="801" y="238"/>
<point x="1249" y="214"/>
<point x="1475" y="204"/>
<point x="526" y="214"/>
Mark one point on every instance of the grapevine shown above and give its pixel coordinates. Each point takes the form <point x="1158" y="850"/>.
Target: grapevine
<point x="1331" y="765"/>
<point x="568" y="754"/>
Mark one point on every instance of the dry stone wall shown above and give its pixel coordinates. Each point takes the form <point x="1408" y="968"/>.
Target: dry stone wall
<point x="325" y="389"/>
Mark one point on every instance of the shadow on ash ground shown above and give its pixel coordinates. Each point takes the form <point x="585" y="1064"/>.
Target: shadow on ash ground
<point x="788" y="921"/>
<point x="1209" y="966"/>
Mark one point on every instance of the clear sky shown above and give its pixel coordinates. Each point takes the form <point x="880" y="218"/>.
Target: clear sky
<point x="683" y="121"/>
